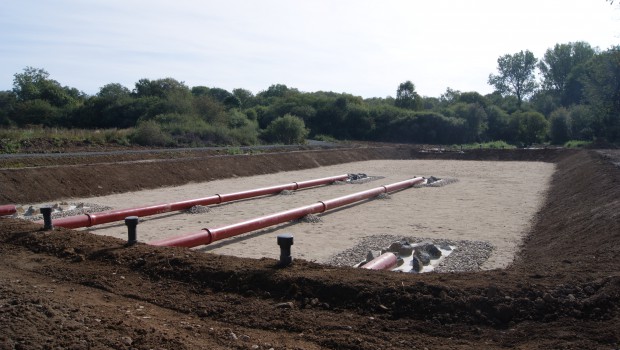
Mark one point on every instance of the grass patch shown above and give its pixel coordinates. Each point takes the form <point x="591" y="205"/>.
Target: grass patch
<point x="577" y="144"/>
<point x="486" y="145"/>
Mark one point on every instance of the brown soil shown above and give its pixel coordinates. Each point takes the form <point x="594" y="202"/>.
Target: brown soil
<point x="68" y="289"/>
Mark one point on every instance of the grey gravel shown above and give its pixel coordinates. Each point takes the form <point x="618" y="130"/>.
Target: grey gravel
<point x="466" y="256"/>
<point x="366" y="180"/>
<point x="33" y="213"/>
<point x="198" y="209"/>
<point x="442" y="182"/>
<point x="311" y="218"/>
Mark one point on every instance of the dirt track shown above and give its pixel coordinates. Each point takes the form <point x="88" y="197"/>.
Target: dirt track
<point x="75" y="290"/>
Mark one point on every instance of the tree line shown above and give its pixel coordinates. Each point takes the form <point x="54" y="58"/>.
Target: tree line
<point x="571" y="93"/>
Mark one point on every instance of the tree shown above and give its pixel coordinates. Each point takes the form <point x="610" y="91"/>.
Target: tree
<point x="113" y="91"/>
<point x="529" y="127"/>
<point x="560" y="69"/>
<point x="246" y="97"/>
<point x="516" y="75"/>
<point x="406" y="97"/>
<point x="499" y="124"/>
<point x="602" y="91"/>
<point x="559" y="126"/>
<point x="35" y="84"/>
<point x="558" y="63"/>
<point x="162" y="88"/>
<point x="475" y="120"/>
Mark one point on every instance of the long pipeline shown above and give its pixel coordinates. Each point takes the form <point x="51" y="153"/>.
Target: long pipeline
<point x="210" y="235"/>
<point x="8" y="209"/>
<point x="92" y="219"/>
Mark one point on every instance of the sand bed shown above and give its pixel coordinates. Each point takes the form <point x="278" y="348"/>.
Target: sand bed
<point x="492" y="202"/>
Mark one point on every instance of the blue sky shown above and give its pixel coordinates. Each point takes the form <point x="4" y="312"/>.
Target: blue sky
<point x="361" y="47"/>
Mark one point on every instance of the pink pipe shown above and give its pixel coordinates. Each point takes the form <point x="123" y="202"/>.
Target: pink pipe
<point x="8" y="209"/>
<point x="207" y="235"/>
<point x="384" y="261"/>
<point x="92" y="219"/>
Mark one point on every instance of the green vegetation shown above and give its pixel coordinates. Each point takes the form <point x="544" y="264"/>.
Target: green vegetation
<point x="577" y="144"/>
<point x="486" y="145"/>
<point x="577" y="98"/>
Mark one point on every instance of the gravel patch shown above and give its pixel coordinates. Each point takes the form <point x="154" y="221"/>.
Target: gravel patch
<point x="60" y="210"/>
<point x="437" y="182"/>
<point x="466" y="256"/>
<point x="311" y="219"/>
<point x="198" y="209"/>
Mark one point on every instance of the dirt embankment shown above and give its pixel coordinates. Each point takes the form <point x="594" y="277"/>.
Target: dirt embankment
<point x="87" y="176"/>
<point x="70" y="289"/>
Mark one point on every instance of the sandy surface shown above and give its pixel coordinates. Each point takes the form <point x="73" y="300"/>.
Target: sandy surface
<point x="492" y="201"/>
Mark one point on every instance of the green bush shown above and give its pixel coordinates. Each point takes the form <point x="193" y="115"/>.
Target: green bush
<point x="288" y="130"/>
<point x="150" y="133"/>
<point x="577" y="144"/>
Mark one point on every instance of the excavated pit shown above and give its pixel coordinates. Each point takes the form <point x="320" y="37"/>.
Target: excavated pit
<point x="492" y="202"/>
<point x="70" y="289"/>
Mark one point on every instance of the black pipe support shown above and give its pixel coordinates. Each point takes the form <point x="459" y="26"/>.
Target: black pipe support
<point x="285" y="241"/>
<point x="46" y="211"/>
<point x="132" y="235"/>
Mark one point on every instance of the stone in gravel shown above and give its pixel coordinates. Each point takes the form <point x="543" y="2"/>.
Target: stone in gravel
<point x="371" y="255"/>
<point x="198" y="209"/>
<point x="445" y="246"/>
<point x="416" y="266"/>
<point x="405" y="250"/>
<point x="30" y="211"/>
<point x="287" y="193"/>
<point x="422" y="256"/>
<point x="431" y="250"/>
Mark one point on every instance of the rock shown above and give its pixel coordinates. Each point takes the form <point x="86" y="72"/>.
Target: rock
<point x="399" y="246"/>
<point x="423" y="257"/>
<point x="445" y="246"/>
<point x="287" y="305"/>
<point x="30" y="211"/>
<point x="405" y="250"/>
<point x="431" y="250"/>
<point x="416" y="266"/>
<point x="127" y="341"/>
<point x="370" y="256"/>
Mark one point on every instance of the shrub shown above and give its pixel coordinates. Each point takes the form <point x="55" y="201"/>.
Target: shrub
<point x="287" y="130"/>
<point x="150" y="133"/>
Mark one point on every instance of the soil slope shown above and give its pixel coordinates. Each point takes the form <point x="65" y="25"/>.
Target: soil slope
<point x="76" y="290"/>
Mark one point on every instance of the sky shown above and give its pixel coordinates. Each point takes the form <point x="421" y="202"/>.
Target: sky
<point x="362" y="47"/>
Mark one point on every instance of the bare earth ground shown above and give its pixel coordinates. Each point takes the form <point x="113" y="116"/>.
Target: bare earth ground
<point x="69" y="289"/>
<point x="493" y="202"/>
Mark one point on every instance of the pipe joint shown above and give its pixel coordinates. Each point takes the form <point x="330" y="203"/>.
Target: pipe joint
<point x="209" y="234"/>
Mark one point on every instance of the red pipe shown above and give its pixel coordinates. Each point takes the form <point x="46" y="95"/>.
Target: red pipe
<point x="8" y="209"/>
<point x="384" y="261"/>
<point x="207" y="236"/>
<point x="92" y="219"/>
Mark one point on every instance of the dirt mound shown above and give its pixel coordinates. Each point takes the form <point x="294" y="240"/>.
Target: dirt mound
<point x="76" y="290"/>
